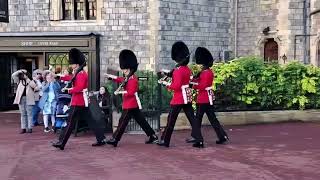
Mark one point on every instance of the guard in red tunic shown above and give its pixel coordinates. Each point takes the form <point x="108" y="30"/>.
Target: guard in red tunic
<point x="182" y="96"/>
<point x="78" y="109"/>
<point x="131" y="103"/>
<point x="203" y="84"/>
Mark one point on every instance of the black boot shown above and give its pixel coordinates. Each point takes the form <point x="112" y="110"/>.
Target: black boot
<point x="113" y="142"/>
<point x="29" y="131"/>
<point x="152" y="139"/>
<point x="58" y="145"/>
<point x="199" y="144"/>
<point x="191" y="140"/>
<point x="100" y="143"/>
<point x="162" y="143"/>
<point x="22" y="131"/>
<point x="223" y="140"/>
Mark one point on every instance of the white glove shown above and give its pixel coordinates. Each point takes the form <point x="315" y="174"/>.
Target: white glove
<point x="166" y="83"/>
<point x="111" y="76"/>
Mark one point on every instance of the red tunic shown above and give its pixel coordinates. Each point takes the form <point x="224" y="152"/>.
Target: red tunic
<point x="181" y="76"/>
<point x="79" y="84"/>
<point x="132" y="87"/>
<point x="205" y="80"/>
<point x="66" y="78"/>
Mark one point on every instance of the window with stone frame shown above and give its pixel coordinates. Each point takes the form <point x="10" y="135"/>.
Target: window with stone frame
<point x="79" y="9"/>
<point x="59" y="61"/>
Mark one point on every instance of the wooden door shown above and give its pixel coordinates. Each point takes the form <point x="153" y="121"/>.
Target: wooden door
<point x="271" y="51"/>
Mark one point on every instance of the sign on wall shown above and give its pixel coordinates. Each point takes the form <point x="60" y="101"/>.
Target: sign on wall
<point x="4" y="14"/>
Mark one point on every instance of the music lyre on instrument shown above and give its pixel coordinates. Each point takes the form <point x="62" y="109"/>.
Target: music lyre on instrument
<point x="166" y="76"/>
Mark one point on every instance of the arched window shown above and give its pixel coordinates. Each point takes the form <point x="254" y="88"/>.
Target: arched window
<point x="271" y="51"/>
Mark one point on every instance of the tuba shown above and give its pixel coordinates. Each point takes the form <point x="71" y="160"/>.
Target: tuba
<point x="166" y="76"/>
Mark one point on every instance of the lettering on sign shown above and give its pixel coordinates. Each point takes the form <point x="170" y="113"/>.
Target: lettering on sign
<point x="39" y="43"/>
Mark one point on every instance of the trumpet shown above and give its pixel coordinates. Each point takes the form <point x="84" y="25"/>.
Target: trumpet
<point x="166" y="76"/>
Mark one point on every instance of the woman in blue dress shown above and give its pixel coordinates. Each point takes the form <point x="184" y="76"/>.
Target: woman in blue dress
<point x="48" y="101"/>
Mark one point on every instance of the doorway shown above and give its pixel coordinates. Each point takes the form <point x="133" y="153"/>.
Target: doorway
<point x="271" y="51"/>
<point x="27" y="63"/>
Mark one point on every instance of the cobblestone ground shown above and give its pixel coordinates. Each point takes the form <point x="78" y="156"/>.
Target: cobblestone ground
<point x="284" y="151"/>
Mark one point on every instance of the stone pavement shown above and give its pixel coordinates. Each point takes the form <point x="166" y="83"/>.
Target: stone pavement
<point x="285" y="151"/>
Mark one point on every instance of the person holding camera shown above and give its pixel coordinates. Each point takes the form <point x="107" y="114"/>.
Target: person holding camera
<point x="25" y="98"/>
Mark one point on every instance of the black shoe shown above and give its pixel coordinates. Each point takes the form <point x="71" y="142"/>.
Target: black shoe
<point x="22" y="131"/>
<point x="100" y="143"/>
<point x="222" y="141"/>
<point x="152" y="139"/>
<point x="29" y="131"/>
<point x="191" y="140"/>
<point x="199" y="144"/>
<point x="162" y="143"/>
<point x="58" y="145"/>
<point x="113" y="142"/>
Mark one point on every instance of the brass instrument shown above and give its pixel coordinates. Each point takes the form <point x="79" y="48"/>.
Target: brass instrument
<point x="166" y="77"/>
<point x="120" y="89"/>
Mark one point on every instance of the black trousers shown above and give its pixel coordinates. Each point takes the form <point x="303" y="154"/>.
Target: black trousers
<point x="172" y="118"/>
<point x="209" y="110"/>
<point x="75" y="114"/>
<point x="126" y="115"/>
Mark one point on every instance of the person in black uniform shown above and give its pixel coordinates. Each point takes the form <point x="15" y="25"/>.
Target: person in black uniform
<point x="131" y="103"/>
<point x="203" y="82"/>
<point x="182" y="96"/>
<point x="78" y="107"/>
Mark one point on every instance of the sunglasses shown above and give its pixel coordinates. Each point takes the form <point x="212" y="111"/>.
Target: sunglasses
<point x="39" y="74"/>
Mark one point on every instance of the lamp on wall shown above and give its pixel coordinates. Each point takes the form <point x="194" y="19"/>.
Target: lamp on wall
<point x="284" y="58"/>
<point x="266" y="30"/>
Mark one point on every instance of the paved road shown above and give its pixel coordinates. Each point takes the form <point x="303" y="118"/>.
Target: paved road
<point x="285" y="151"/>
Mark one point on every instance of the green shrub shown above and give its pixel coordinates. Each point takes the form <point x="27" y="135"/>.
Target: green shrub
<point x="251" y="83"/>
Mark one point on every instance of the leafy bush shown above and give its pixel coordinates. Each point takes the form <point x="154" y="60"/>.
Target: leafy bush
<point x="249" y="84"/>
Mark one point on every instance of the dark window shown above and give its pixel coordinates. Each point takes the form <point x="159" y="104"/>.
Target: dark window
<point x="67" y="6"/>
<point x="79" y="9"/>
<point x="92" y="9"/>
<point x="59" y="61"/>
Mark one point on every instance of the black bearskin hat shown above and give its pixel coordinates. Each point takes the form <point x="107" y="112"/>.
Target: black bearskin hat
<point x="76" y="57"/>
<point x="128" y="60"/>
<point x="180" y="53"/>
<point x="203" y="56"/>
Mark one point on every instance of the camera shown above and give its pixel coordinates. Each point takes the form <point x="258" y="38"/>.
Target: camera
<point x="22" y="75"/>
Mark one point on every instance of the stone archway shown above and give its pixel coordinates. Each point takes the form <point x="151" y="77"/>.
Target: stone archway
<point x="271" y="50"/>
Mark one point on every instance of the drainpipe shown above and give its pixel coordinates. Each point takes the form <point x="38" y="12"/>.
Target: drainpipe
<point x="236" y="30"/>
<point x="305" y="50"/>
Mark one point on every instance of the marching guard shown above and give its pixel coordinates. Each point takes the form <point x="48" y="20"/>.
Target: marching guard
<point x="131" y="103"/>
<point x="182" y="96"/>
<point x="203" y="84"/>
<point x="78" y="107"/>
